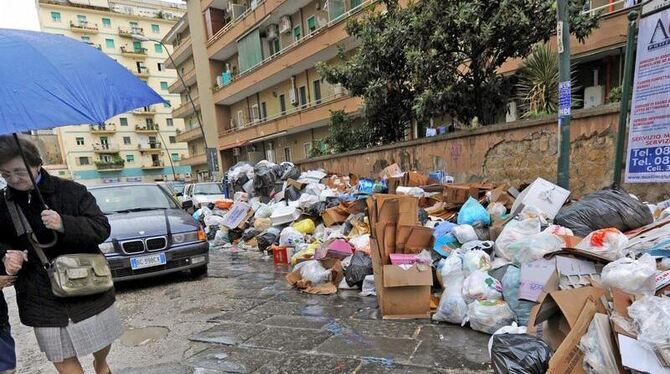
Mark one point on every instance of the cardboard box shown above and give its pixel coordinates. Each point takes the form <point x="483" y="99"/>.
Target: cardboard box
<point x="295" y="184"/>
<point x="334" y="215"/>
<point x="413" y="239"/>
<point x="391" y="171"/>
<point x="543" y="195"/>
<point x="459" y="193"/>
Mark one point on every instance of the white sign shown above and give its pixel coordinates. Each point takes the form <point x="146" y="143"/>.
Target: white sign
<point x="648" y="153"/>
<point x="559" y="37"/>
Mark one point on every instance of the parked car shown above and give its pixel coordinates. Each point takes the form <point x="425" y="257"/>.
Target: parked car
<point x="203" y="193"/>
<point x="175" y="188"/>
<point x="151" y="232"/>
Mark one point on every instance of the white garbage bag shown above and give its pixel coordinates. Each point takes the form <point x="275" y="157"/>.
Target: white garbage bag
<point x="609" y="243"/>
<point x="452" y="308"/>
<point x="481" y="286"/>
<point x="534" y="247"/>
<point x="464" y="233"/>
<point x="514" y="231"/>
<point x="631" y="276"/>
<point x="314" y="272"/>
<point x="489" y="316"/>
<point x="475" y="260"/>
<point x="291" y="237"/>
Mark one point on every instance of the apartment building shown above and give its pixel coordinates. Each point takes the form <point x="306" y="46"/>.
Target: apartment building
<point x="140" y="145"/>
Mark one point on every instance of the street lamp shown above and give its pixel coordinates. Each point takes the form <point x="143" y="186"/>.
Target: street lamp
<point x="143" y="38"/>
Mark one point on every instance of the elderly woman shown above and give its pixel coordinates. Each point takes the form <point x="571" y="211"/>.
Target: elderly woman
<point x="69" y="327"/>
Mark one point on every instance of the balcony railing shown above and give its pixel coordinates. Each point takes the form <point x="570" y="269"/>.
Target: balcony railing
<point x="196" y="159"/>
<point x="186" y="108"/>
<point x="105" y="148"/>
<point x="297" y="43"/>
<point x="156" y="147"/>
<point x="146" y="128"/>
<point x="232" y="23"/>
<point x="142" y="73"/>
<point x="189" y="135"/>
<point x="83" y="27"/>
<point x="134" y="52"/>
<point x="154" y="165"/>
<point x="103" y="129"/>
<point x="128" y="32"/>
<point x="96" y="46"/>
<point x="145" y="111"/>
<point x="236" y="126"/>
<point x="110" y="165"/>
<point x="604" y="7"/>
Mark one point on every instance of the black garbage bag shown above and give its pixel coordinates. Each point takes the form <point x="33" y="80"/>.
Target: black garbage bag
<point x="360" y="266"/>
<point x="519" y="354"/>
<point x="423" y="216"/>
<point x="235" y="234"/>
<point x="291" y="173"/>
<point x="316" y="209"/>
<point x="332" y="201"/>
<point x="482" y="231"/>
<point x="212" y="232"/>
<point x="250" y="233"/>
<point x="264" y="180"/>
<point x="240" y="182"/>
<point x="603" y="209"/>
<point x="292" y="194"/>
<point x="266" y="240"/>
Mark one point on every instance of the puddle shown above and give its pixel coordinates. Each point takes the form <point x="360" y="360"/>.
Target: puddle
<point x="143" y="335"/>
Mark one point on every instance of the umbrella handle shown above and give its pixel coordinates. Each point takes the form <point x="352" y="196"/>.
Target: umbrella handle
<point x="48" y="245"/>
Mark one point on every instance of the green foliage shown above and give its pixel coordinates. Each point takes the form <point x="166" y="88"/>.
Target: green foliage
<point x="319" y="148"/>
<point x="343" y="135"/>
<point x="440" y="57"/>
<point x="615" y="95"/>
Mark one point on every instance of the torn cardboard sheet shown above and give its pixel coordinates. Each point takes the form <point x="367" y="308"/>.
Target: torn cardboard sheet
<point x="535" y="279"/>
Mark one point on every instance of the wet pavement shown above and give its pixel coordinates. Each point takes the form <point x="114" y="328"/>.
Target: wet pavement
<point x="245" y="318"/>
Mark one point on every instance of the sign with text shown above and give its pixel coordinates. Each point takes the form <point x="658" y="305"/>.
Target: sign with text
<point x="564" y="98"/>
<point x="648" y="159"/>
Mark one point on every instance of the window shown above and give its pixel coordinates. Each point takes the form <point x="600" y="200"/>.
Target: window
<point x="134" y="28"/>
<point x="155" y="28"/>
<point x="158" y="48"/>
<point x="175" y="157"/>
<point x="84" y="161"/>
<point x="173" y="139"/>
<point x="287" y="154"/>
<point x="61" y="173"/>
<point x="149" y="122"/>
<point x="106" y="22"/>
<point x="80" y="141"/>
<point x="164" y="86"/>
<point x="137" y="46"/>
<point x="255" y="113"/>
<point x="297" y="33"/>
<point x="303" y="97"/>
<point x="264" y="111"/>
<point x="356" y="3"/>
<point x="81" y="19"/>
<point x="317" y="91"/>
<point x="130" y="158"/>
<point x="282" y="104"/>
<point x="311" y="24"/>
<point x="126" y="140"/>
<point x="167" y="104"/>
<point x="124" y="121"/>
<point x="308" y="148"/>
<point x="170" y="122"/>
<point x="160" y="66"/>
<point x="275" y="47"/>
<point x="109" y="43"/>
<point x="85" y="39"/>
<point x="55" y="16"/>
<point x="240" y="119"/>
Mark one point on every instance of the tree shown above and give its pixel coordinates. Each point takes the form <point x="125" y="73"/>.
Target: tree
<point x="438" y="57"/>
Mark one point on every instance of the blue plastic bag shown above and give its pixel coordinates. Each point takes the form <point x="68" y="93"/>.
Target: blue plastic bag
<point x="511" y="282"/>
<point x="443" y="228"/>
<point x="472" y="211"/>
<point x="365" y="185"/>
<point x="445" y="244"/>
<point x="437" y="176"/>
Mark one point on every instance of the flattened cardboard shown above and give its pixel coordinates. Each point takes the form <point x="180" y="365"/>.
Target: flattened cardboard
<point x="333" y="216"/>
<point x="297" y="185"/>
<point x="420" y="238"/>
<point x="416" y="275"/>
<point x="568" y="358"/>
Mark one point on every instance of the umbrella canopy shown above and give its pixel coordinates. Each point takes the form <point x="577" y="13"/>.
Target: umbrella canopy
<point x="49" y="80"/>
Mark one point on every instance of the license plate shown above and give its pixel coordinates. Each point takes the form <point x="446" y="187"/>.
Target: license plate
<point x="147" y="261"/>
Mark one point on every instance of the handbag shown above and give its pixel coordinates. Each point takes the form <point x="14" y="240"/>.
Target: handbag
<point x="72" y="275"/>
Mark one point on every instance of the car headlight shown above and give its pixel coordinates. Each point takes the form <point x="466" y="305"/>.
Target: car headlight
<point x="106" y="247"/>
<point x="185" y="237"/>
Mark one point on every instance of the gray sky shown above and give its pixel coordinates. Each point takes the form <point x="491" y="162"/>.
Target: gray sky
<point x="22" y="14"/>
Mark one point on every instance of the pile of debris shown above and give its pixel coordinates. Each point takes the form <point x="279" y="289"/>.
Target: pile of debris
<point x="562" y="285"/>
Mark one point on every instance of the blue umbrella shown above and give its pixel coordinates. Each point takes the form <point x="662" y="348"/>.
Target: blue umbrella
<point x="49" y="80"/>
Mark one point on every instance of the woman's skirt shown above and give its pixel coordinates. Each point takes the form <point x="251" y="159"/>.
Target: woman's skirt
<point x="82" y="338"/>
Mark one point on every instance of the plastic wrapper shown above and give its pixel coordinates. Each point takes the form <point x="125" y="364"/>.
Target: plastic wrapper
<point x="315" y="210"/>
<point x="306" y="226"/>
<point x="631" y="276"/>
<point x="534" y="247"/>
<point x="266" y="239"/>
<point x="513" y="231"/>
<point x="306" y="201"/>
<point x="292" y="194"/>
<point x="248" y="187"/>
<point x="361" y="243"/>
<point x="510" y="289"/>
<point x="609" y="243"/>
<point x="482" y="231"/>
<point x="603" y="209"/>
<point x="652" y="317"/>
<point x="314" y="189"/>
<point x="472" y="211"/>
<point x="314" y="272"/>
<point x="519" y="354"/>
<point x="411" y="191"/>
<point x="262" y="224"/>
<point x="368" y="288"/>
<point x="558" y="230"/>
<point x="304" y="251"/>
<point x="530" y="212"/>
<point x="250" y="234"/>
<point x="452" y="307"/>
<point x="240" y="197"/>
<point x="213" y="220"/>
<point x="221" y="238"/>
<point x="480" y="286"/>
<point x="596" y="358"/>
<point x="464" y="233"/>
<point x="489" y="316"/>
<point x="475" y="260"/>
<point x="497" y="209"/>
<point x="290" y="237"/>
<point x="359" y="267"/>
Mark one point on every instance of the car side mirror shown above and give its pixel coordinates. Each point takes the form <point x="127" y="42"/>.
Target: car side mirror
<point x="180" y="194"/>
<point x="187" y="204"/>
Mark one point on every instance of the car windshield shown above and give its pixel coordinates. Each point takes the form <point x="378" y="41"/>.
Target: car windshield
<point x="124" y="199"/>
<point x="176" y="186"/>
<point x="208" y="189"/>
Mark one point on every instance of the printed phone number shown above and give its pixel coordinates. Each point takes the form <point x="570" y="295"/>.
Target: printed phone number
<point x="645" y="160"/>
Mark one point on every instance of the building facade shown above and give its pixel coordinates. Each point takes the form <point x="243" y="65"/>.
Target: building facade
<point x="140" y="145"/>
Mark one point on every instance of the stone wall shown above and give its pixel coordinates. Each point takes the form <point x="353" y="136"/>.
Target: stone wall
<point x="516" y="153"/>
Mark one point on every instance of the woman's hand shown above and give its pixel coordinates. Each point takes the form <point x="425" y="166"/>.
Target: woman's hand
<point x="6" y="281"/>
<point x="13" y="261"/>
<point x="52" y="220"/>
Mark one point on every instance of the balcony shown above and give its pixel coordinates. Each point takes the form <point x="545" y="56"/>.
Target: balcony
<point x="320" y="45"/>
<point x="143" y="73"/>
<point x="83" y="27"/>
<point x="146" y="129"/>
<point x="155" y="147"/>
<point x="194" y="160"/>
<point x="180" y="53"/>
<point x="189" y="78"/>
<point x="128" y="32"/>
<point x="312" y="115"/>
<point x="102" y="129"/>
<point x="106" y="166"/>
<point x="154" y="165"/>
<point x="105" y="148"/>
<point x="189" y="135"/>
<point x="185" y="109"/>
<point x="96" y="46"/>
<point x="137" y="53"/>
<point x="145" y="111"/>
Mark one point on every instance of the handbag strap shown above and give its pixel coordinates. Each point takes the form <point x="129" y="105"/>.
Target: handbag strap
<point x="22" y="227"/>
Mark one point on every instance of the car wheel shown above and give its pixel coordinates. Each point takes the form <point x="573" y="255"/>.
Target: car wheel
<point x="199" y="271"/>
